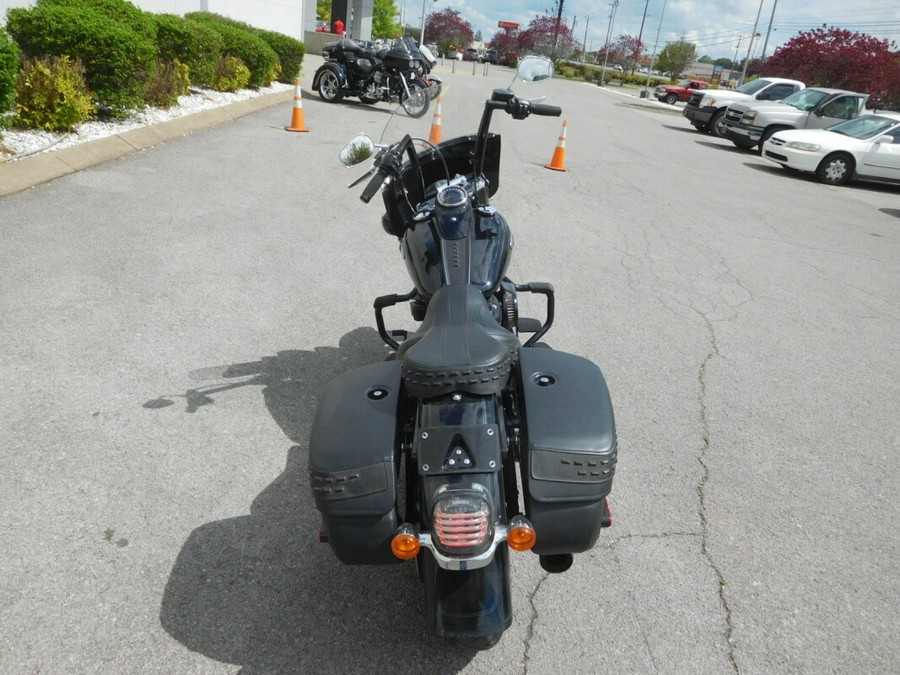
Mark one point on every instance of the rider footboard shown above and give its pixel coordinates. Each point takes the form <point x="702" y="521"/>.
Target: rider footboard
<point x="353" y="463"/>
<point x="568" y="447"/>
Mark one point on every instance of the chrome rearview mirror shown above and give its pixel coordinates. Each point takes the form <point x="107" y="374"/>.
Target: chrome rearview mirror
<point x="358" y="150"/>
<point x="534" y="68"/>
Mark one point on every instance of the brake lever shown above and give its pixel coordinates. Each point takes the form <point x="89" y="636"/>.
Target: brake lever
<point x="363" y="177"/>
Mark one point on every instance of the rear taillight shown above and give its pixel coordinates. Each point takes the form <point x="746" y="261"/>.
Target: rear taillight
<point x="461" y="521"/>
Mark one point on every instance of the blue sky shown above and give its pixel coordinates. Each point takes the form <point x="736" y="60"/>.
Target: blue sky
<point x="715" y="26"/>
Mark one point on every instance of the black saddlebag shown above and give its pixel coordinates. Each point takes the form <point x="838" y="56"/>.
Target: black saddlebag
<point x="568" y="447"/>
<point x="353" y="459"/>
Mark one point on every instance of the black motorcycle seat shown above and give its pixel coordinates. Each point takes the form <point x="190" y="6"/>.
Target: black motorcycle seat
<point x="459" y="347"/>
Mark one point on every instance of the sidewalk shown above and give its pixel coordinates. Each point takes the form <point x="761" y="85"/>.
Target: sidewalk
<point x="30" y="171"/>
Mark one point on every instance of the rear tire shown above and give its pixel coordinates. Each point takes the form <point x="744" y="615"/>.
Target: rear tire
<point x="330" y="87"/>
<point x="479" y="643"/>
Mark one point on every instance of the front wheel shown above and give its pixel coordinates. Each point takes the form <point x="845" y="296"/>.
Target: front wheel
<point x="717" y="125"/>
<point x="416" y="103"/>
<point x="671" y="99"/>
<point x="836" y="169"/>
<point x="330" y="87"/>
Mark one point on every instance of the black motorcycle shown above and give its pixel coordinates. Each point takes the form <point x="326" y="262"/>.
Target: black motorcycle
<point x="422" y="456"/>
<point x="392" y="75"/>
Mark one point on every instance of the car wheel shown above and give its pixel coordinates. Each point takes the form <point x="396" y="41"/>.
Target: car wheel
<point x="671" y="99"/>
<point x="717" y="125"/>
<point x="836" y="169"/>
<point x="330" y="87"/>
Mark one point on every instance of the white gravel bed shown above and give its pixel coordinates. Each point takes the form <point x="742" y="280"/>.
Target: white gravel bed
<point x="17" y="143"/>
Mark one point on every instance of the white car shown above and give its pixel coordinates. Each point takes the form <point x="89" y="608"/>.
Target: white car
<point x="866" y="147"/>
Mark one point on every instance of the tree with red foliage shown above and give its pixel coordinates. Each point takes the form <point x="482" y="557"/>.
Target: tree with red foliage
<point x="447" y="28"/>
<point x="834" y="57"/>
<point x="541" y="38"/>
<point x="506" y="43"/>
<point x="625" y="51"/>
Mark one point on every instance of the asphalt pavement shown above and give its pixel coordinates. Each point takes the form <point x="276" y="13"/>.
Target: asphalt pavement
<point x="170" y="316"/>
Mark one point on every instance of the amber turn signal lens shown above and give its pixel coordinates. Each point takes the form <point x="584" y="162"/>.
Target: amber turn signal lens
<point x="521" y="535"/>
<point x="405" y="545"/>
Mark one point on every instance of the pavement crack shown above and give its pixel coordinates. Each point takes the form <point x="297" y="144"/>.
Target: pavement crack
<point x="701" y="493"/>
<point x="529" y="633"/>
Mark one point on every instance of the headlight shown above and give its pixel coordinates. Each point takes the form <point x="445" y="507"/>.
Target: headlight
<point x="748" y="117"/>
<point x="805" y="147"/>
<point x="461" y="519"/>
<point x="413" y="64"/>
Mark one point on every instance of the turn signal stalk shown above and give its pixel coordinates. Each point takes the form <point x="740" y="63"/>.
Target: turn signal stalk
<point x="521" y="535"/>
<point x="405" y="544"/>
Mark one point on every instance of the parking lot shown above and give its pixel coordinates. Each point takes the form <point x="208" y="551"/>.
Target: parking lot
<point x="169" y="319"/>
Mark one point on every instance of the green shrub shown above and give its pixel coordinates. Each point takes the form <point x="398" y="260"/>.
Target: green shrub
<point x="231" y="75"/>
<point x="123" y="12"/>
<point x="241" y="42"/>
<point x="52" y="94"/>
<point x="118" y="61"/>
<point x="195" y="44"/>
<point x="9" y="71"/>
<point x="290" y="53"/>
<point x="170" y="81"/>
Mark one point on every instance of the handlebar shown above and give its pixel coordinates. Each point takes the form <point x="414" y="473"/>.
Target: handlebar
<point x="373" y="186"/>
<point x="546" y="110"/>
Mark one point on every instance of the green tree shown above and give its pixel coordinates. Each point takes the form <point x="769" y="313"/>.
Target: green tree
<point x="323" y="10"/>
<point x="676" y="57"/>
<point x="384" y="24"/>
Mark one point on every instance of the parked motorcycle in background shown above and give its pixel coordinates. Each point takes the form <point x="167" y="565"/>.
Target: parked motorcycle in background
<point x="392" y="75"/>
<point x="420" y="457"/>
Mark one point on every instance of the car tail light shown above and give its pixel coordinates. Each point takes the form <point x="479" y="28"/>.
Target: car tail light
<point x="461" y="521"/>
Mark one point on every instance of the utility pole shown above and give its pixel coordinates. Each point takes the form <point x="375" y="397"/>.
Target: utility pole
<point x="768" y="32"/>
<point x="646" y="91"/>
<point x="612" y="18"/>
<point x="556" y="33"/>
<point x="750" y="48"/>
<point x="734" y="60"/>
<point x="584" y="44"/>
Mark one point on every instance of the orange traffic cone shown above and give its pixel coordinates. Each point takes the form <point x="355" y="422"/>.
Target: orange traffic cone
<point x="435" y="136"/>
<point x="559" y="154"/>
<point x="297" y="123"/>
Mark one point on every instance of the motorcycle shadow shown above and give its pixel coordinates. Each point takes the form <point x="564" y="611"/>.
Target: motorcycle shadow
<point x="259" y="591"/>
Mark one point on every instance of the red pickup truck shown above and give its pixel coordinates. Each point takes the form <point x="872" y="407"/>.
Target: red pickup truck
<point x="670" y="93"/>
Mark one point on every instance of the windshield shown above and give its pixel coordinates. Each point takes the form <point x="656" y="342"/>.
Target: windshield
<point x="753" y="87"/>
<point x="864" y="127"/>
<point x="805" y="99"/>
<point x="683" y="83"/>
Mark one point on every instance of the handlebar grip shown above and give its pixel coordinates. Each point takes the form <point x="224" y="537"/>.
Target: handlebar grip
<point x="546" y="110"/>
<point x="372" y="187"/>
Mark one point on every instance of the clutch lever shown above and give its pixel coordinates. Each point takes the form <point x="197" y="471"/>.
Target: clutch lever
<point x="381" y="150"/>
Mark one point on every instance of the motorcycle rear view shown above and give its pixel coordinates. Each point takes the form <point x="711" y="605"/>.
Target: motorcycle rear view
<point x="421" y="457"/>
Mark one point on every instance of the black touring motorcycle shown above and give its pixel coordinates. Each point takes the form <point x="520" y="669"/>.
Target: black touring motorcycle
<point x="416" y="457"/>
<point x="393" y="75"/>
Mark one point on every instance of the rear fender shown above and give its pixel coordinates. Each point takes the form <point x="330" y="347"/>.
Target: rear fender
<point x="335" y="68"/>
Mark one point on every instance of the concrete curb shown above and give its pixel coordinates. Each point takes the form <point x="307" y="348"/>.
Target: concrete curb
<point x="30" y="171"/>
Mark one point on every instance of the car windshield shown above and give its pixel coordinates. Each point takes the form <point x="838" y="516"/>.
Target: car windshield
<point x="683" y="83"/>
<point x="753" y="87"/>
<point x="864" y="127"/>
<point x="805" y="99"/>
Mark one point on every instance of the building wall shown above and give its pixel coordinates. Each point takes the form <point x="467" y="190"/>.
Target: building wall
<point x="285" y="16"/>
